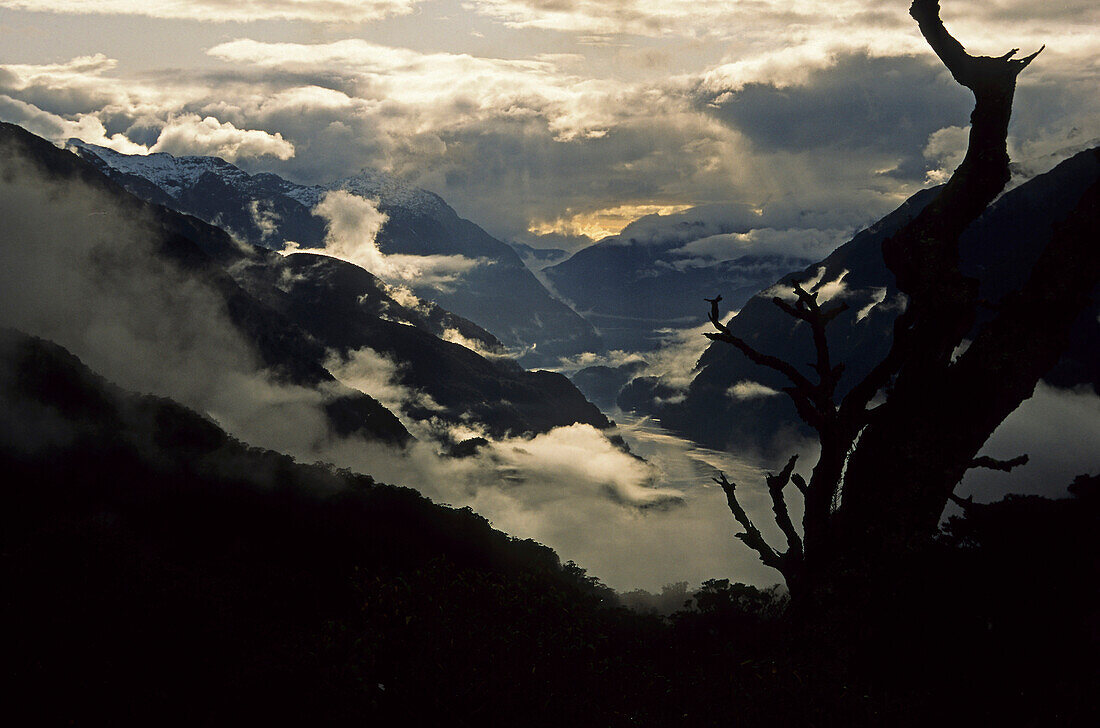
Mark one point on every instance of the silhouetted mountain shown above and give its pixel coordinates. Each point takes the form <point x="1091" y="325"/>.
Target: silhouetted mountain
<point x="498" y="292"/>
<point x="297" y="311"/>
<point x="999" y="249"/>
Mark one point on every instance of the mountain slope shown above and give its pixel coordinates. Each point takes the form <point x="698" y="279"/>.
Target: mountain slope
<point x="156" y="570"/>
<point x="496" y="290"/>
<point x="651" y="275"/>
<point x="346" y="310"/>
<point x="295" y="313"/>
<point x="998" y="248"/>
<point x="86" y="261"/>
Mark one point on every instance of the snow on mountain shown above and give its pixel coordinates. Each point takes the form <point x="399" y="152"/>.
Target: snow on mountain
<point x="478" y="276"/>
<point x="174" y="175"/>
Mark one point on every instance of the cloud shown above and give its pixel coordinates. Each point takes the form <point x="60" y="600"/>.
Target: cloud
<point x="878" y="295"/>
<point x="241" y="11"/>
<point x="656" y="18"/>
<point x="77" y="269"/>
<point x="801" y="243"/>
<point x="836" y="117"/>
<point x="188" y="134"/>
<point x="631" y="523"/>
<point x="598" y="224"/>
<point x="84" y="126"/>
<point x="945" y="150"/>
<point x="751" y="390"/>
<point x="353" y="224"/>
<point x="455" y="336"/>
<point x="379" y="376"/>
<point x="825" y="290"/>
<point x="264" y="218"/>
<point x="443" y="88"/>
<point x="889" y="104"/>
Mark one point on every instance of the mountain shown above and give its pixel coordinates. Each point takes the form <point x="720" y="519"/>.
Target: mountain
<point x="488" y="282"/>
<point x="347" y="310"/>
<point x="155" y="569"/>
<point x="731" y="402"/>
<point x="302" y="317"/>
<point x="70" y="276"/>
<point x="653" y="274"/>
<point x="539" y="258"/>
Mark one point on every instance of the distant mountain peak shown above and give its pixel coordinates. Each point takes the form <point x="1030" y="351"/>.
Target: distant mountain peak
<point x="170" y="173"/>
<point x="174" y="174"/>
<point x="389" y="190"/>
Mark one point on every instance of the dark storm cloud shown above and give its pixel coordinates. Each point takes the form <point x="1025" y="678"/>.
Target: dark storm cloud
<point x="880" y="103"/>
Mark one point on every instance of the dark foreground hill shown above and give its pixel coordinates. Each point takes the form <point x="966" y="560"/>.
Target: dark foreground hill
<point x="155" y="571"/>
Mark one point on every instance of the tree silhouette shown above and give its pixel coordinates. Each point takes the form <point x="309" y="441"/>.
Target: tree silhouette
<point x="888" y="469"/>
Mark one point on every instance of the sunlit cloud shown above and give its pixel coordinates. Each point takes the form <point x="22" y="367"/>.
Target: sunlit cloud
<point x="352" y="225"/>
<point x="746" y="389"/>
<point x="599" y="224"/>
<point x="188" y="134"/>
<point x="443" y="90"/>
<point x="825" y="106"/>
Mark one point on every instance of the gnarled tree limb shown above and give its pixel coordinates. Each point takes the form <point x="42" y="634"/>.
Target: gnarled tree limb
<point x="801" y="383"/>
<point x="752" y="536"/>
<point x="776" y="484"/>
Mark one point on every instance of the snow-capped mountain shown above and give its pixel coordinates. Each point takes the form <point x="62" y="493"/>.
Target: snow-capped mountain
<point x="484" y="281"/>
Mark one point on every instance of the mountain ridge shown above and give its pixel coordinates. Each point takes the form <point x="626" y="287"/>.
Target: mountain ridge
<point x="998" y="249"/>
<point x="269" y="211"/>
<point x="251" y="282"/>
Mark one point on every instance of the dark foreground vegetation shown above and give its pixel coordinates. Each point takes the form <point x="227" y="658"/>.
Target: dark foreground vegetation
<point x="156" y="571"/>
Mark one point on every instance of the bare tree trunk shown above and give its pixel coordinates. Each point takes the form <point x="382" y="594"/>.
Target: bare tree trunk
<point x="893" y="468"/>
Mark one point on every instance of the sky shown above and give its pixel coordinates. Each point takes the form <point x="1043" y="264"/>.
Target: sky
<point x="553" y="122"/>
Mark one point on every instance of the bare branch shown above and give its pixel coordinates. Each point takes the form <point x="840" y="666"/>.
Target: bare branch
<point x="1005" y="466"/>
<point x="752" y="536"/>
<point x="776" y="484"/>
<point x="800" y="382"/>
<point x="970" y="71"/>
<point x="808" y="310"/>
<point x="800" y="483"/>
